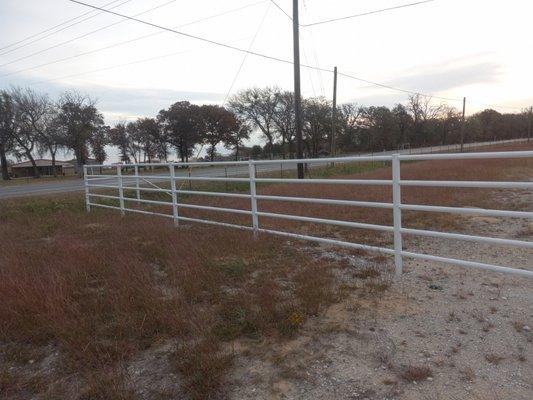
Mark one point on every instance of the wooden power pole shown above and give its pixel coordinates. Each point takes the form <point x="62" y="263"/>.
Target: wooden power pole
<point x="463" y="124"/>
<point x="297" y="89"/>
<point x="334" y="115"/>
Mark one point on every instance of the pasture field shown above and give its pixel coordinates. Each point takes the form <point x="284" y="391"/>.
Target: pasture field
<point x="99" y="306"/>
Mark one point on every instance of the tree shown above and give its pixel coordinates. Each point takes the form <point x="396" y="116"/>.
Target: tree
<point x="98" y="142"/>
<point x="422" y="112"/>
<point x="26" y="109"/>
<point x="404" y="122"/>
<point x="217" y="126"/>
<point x="181" y="124"/>
<point x="40" y="115"/>
<point x="381" y="128"/>
<point x="80" y="122"/>
<point x="316" y="123"/>
<point x="118" y="136"/>
<point x="237" y="136"/>
<point x="258" y="107"/>
<point x="349" y="130"/>
<point x="284" y="120"/>
<point x="256" y="151"/>
<point x="449" y="122"/>
<point x="151" y="138"/>
<point x="6" y="131"/>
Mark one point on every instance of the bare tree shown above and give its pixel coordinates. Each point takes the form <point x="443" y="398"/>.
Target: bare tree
<point x="349" y="120"/>
<point x="284" y="120"/>
<point x="7" y="127"/>
<point x="26" y="111"/>
<point x="422" y="112"/>
<point x="40" y="114"/>
<point x="258" y="107"/>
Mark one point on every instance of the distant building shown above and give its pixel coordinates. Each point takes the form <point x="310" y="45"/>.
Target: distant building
<point x="74" y="162"/>
<point x="25" y="169"/>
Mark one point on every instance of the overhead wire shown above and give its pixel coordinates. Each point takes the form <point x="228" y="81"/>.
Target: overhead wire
<point x="62" y="29"/>
<point x="385" y="86"/>
<point x="366" y="13"/>
<point x="281" y="9"/>
<point x="54" y="27"/>
<point x="241" y="65"/>
<point x="110" y="67"/>
<point x="265" y="56"/>
<point x="310" y="75"/>
<point x="88" y="33"/>
<point x="116" y="44"/>
<point x="252" y="42"/>
<point x="235" y="48"/>
<point x="315" y="54"/>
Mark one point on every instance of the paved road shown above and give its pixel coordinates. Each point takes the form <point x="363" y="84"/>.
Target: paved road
<point x="74" y="185"/>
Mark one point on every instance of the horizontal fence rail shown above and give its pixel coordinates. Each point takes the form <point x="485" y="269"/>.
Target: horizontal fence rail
<point x="245" y="172"/>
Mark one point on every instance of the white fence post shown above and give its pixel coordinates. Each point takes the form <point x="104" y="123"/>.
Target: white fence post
<point x="253" y="194"/>
<point x="120" y="188"/>
<point x="174" y="194"/>
<point x="397" y="214"/>
<point x="86" y="182"/>
<point x="137" y="184"/>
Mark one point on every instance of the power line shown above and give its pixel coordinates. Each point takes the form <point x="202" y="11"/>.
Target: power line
<point x="398" y="89"/>
<point x="133" y="40"/>
<point x="246" y="54"/>
<point x="235" y="77"/>
<point x="281" y="9"/>
<point x="62" y="29"/>
<point x="191" y="36"/>
<point x="86" y="34"/>
<point x="139" y="61"/>
<point x="367" y="13"/>
<point x="231" y="47"/>
<point x="53" y="27"/>
<point x="315" y="54"/>
<point x="310" y="76"/>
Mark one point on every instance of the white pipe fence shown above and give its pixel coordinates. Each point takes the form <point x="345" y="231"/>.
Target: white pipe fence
<point x="117" y="182"/>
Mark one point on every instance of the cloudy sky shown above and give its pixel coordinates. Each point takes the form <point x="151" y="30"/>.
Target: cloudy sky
<point x="480" y="49"/>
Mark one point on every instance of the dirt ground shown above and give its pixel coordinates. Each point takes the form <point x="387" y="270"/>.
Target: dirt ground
<point x="437" y="332"/>
<point x="441" y="332"/>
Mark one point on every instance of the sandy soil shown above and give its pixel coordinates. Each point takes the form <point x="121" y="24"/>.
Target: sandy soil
<point x="464" y="333"/>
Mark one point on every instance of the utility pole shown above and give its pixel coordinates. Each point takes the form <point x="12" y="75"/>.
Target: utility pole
<point x="463" y="125"/>
<point x="297" y="89"/>
<point x="334" y="115"/>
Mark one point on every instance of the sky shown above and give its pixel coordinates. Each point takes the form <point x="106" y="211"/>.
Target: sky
<point x="478" y="49"/>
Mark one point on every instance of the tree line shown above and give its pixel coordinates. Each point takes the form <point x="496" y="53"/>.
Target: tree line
<point x="32" y="123"/>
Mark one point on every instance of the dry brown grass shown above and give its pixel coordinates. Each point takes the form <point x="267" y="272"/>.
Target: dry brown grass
<point x="416" y="373"/>
<point x="490" y="170"/>
<point x="99" y="289"/>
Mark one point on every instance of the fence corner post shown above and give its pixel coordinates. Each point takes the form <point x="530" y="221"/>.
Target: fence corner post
<point x="397" y="214"/>
<point x="174" y="194"/>
<point x="120" y="189"/>
<point x="253" y="196"/>
<point x="87" y="193"/>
